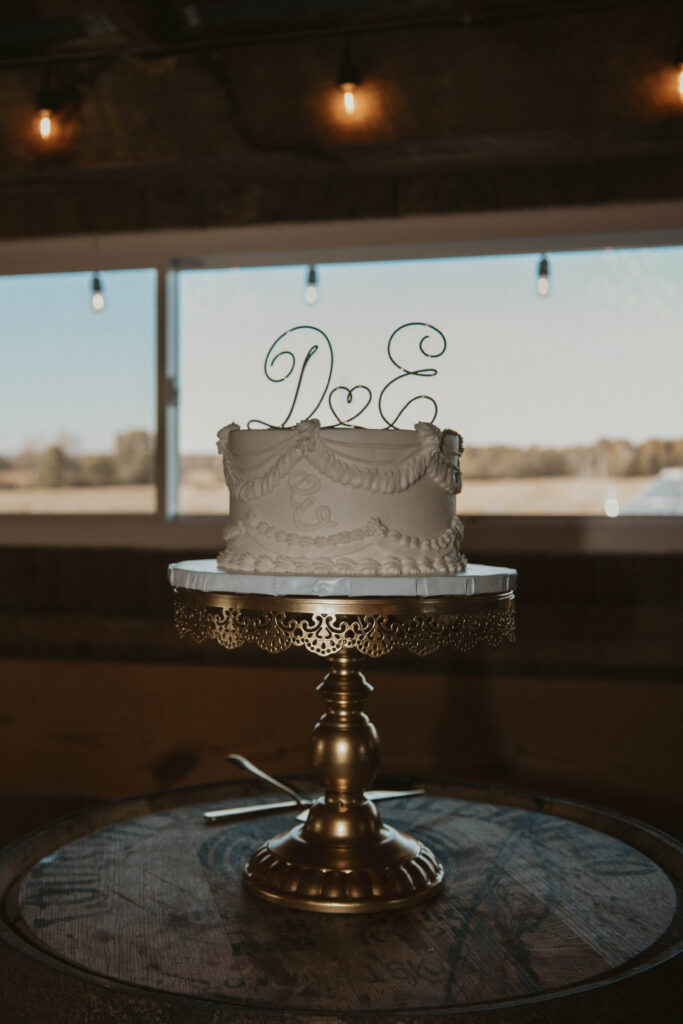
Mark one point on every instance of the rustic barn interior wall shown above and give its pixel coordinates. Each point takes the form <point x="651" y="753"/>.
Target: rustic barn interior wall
<point x="478" y="106"/>
<point x="100" y="699"/>
<point x="517" y="106"/>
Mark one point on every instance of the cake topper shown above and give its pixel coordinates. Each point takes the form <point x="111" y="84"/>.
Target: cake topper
<point x="280" y="359"/>
<point x="309" y="358"/>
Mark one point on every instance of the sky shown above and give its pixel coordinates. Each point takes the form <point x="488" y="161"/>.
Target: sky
<point x="601" y="356"/>
<point x="68" y="374"/>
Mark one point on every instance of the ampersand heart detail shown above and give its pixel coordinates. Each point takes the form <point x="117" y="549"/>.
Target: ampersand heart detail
<point x="352" y="401"/>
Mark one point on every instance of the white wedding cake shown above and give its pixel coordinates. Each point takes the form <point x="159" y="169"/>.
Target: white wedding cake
<point x="332" y="501"/>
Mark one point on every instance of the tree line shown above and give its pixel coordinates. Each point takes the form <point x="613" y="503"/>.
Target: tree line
<point x="132" y="461"/>
<point x="605" y="458"/>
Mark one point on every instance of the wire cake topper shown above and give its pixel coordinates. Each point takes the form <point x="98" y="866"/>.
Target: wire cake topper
<point x="298" y="357"/>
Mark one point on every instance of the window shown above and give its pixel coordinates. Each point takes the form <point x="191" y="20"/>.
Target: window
<point x="78" y="394"/>
<point x="569" y="404"/>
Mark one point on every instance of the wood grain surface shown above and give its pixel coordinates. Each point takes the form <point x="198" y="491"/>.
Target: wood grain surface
<point x="535" y="904"/>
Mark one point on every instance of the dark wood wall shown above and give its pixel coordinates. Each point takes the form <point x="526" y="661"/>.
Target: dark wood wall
<point x="101" y="699"/>
<point x="487" y="105"/>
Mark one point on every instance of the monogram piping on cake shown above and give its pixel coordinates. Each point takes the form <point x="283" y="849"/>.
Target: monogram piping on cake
<point x="303" y="489"/>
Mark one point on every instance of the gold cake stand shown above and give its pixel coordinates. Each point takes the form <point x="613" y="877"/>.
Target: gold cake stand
<point x="343" y="858"/>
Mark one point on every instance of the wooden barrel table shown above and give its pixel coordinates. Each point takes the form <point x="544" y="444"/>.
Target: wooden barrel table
<point x="552" y="911"/>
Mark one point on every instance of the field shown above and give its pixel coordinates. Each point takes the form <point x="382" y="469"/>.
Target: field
<point x="201" y="494"/>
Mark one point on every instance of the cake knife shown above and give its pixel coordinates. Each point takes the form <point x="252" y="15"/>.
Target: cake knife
<point x="254" y="810"/>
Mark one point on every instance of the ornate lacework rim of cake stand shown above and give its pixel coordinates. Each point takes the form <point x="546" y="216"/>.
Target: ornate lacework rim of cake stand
<point x="373" y="626"/>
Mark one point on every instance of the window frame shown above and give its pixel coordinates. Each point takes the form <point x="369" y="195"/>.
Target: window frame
<point x="429" y="236"/>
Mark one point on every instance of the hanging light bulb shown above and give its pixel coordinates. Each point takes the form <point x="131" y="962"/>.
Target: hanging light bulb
<point x="45" y="122"/>
<point x="97" y="299"/>
<point x="678" y="64"/>
<point x="47" y="105"/>
<point x="348" y="79"/>
<point x="348" y="89"/>
<point x="543" y="279"/>
<point x="311" y="293"/>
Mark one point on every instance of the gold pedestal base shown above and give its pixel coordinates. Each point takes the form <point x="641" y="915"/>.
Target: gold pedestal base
<point x="344" y="860"/>
<point x="393" y="870"/>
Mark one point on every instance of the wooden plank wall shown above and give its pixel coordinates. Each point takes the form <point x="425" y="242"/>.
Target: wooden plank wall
<point x="516" y="111"/>
<point x="100" y="699"/>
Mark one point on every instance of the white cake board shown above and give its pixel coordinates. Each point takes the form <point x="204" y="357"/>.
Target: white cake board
<point x="203" y="574"/>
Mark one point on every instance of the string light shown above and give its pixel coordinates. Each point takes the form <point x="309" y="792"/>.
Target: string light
<point x="97" y="299"/>
<point x="47" y="105"/>
<point x="678" y="64"/>
<point x="45" y="123"/>
<point x="311" y="293"/>
<point x="543" y="279"/>
<point x="348" y="89"/>
<point x="348" y="80"/>
<point x="612" y="508"/>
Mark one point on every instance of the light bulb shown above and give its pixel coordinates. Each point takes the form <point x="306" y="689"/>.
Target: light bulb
<point x="48" y="102"/>
<point x="311" y="293"/>
<point x="97" y="300"/>
<point x="348" y="91"/>
<point x="543" y="279"/>
<point x="678" y="65"/>
<point x="348" y="79"/>
<point x="45" y="123"/>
